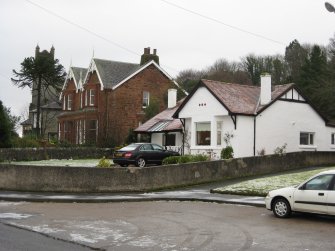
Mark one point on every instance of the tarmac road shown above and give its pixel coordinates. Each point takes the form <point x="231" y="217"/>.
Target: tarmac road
<point x="16" y="239"/>
<point x="170" y="226"/>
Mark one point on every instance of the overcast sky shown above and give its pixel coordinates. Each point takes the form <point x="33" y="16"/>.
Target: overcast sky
<point x="187" y="34"/>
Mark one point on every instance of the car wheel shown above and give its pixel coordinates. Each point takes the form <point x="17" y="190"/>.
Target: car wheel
<point x="281" y="208"/>
<point x="140" y="162"/>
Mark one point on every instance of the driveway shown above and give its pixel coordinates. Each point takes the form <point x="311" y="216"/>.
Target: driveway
<point x="171" y="226"/>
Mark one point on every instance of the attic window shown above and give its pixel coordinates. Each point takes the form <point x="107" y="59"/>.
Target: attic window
<point x="146" y="98"/>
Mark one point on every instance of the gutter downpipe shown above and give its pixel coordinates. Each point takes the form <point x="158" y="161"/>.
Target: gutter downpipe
<point x="255" y="135"/>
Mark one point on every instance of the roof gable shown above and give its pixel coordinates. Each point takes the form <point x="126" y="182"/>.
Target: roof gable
<point x="237" y="98"/>
<point x="76" y="74"/>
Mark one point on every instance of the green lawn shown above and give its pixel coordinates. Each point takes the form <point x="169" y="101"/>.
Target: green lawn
<point x="63" y="162"/>
<point x="261" y="186"/>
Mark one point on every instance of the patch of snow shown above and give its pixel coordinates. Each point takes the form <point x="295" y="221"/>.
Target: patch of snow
<point x="82" y="238"/>
<point x="143" y="241"/>
<point x="8" y="204"/>
<point x="14" y="216"/>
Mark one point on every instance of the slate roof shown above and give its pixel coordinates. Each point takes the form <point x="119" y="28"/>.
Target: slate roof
<point x="237" y="98"/>
<point x="242" y="99"/>
<point x="113" y="72"/>
<point x="79" y="73"/>
<point x="162" y="122"/>
<point x="52" y="105"/>
<point x="27" y="122"/>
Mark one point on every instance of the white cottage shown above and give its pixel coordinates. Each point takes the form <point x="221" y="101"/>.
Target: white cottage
<point x="260" y="119"/>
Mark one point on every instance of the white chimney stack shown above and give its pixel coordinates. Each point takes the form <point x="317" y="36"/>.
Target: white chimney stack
<point x="265" y="88"/>
<point x="172" y="98"/>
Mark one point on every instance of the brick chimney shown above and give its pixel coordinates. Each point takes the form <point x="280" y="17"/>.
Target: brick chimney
<point x="147" y="56"/>
<point x="265" y="88"/>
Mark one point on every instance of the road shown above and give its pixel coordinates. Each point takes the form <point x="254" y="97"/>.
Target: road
<point x="15" y="239"/>
<point x="169" y="226"/>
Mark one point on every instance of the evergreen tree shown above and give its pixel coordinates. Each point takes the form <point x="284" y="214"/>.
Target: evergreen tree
<point x="43" y="70"/>
<point x="5" y="128"/>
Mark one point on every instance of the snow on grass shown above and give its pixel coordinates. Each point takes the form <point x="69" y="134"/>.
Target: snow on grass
<point x="62" y="162"/>
<point x="261" y="186"/>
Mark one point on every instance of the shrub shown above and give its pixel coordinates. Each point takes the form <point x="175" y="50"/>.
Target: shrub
<point x="104" y="163"/>
<point x="227" y="153"/>
<point x="280" y="149"/>
<point x="184" y="159"/>
<point x="25" y="142"/>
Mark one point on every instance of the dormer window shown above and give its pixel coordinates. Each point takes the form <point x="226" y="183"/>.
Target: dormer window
<point x="92" y="97"/>
<point x="146" y="98"/>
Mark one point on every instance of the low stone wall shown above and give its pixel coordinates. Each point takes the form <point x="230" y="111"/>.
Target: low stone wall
<point x="27" y="154"/>
<point x="79" y="179"/>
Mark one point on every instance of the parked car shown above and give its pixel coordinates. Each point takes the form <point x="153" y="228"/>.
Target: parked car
<point x="316" y="195"/>
<point x="141" y="154"/>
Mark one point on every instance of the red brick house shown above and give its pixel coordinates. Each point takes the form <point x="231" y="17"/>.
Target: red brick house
<point x="103" y="103"/>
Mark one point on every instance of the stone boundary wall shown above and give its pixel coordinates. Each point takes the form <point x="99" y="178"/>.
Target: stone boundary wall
<point x="132" y="179"/>
<point x="28" y="154"/>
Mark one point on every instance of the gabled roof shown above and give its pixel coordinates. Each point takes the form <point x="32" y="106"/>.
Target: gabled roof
<point x="162" y="122"/>
<point x="77" y="74"/>
<point x="237" y="98"/>
<point x="112" y="74"/>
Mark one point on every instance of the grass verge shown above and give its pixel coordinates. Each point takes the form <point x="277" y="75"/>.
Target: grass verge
<point x="261" y="186"/>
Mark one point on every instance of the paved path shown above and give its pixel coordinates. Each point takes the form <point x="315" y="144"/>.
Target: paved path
<point x="200" y="193"/>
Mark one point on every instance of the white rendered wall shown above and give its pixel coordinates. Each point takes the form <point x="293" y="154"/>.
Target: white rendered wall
<point x="213" y="112"/>
<point x="282" y="123"/>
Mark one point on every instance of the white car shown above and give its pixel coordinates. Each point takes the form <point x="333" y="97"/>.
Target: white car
<point x="316" y="195"/>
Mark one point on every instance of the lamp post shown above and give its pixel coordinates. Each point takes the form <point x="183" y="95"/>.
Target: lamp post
<point x="329" y="7"/>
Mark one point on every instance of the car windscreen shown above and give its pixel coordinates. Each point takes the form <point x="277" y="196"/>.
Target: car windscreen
<point x="130" y="147"/>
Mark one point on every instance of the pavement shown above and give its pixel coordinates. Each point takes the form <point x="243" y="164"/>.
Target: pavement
<point x="196" y="193"/>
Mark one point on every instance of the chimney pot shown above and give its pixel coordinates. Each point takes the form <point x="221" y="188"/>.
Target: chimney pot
<point x="155" y="51"/>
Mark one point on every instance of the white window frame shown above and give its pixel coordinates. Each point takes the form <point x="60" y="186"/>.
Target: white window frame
<point x="86" y="97"/>
<point x="196" y="133"/>
<point x="145" y="99"/>
<point x="219" y="137"/>
<point x="64" y="102"/>
<point x="310" y="139"/>
<point x="81" y="99"/>
<point x="92" y="97"/>
<point x="69" y="102"/>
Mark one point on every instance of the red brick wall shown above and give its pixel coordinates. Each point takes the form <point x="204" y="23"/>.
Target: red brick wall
<point x="119" y="110"/>
<point x="125" y="109"/>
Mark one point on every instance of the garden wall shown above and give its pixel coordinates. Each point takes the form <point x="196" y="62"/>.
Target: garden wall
<point x="79" y="179"/>
<point x="27" y="154"/>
